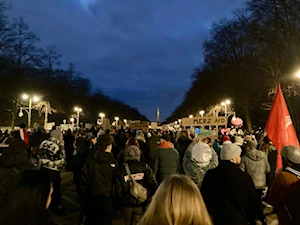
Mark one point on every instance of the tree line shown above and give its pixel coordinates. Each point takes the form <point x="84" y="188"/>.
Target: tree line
<point x="245" y="57"/>
<point x="26" y="67"/>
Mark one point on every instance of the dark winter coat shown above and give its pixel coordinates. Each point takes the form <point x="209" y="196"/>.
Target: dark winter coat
<point x="13" y="161"/>
<point x="181" y="145"/>
<point x="230" y="195"/>
<point x="152" y="144"/>
<point x="256" y="164"/>
<point x="142" y="174"/>
<point x="166" y="161"/>
<point x="97" y="175"/>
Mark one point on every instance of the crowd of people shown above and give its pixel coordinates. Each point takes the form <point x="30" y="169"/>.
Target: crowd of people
<point x="153" y="177"/>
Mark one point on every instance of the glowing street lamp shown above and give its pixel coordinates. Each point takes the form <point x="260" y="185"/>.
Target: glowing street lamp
<point x="191" y="116"/>
<point x="78" y="111"/>
<point x="298" y="74"/>
<point x="31" y="99"/>
<point x="102" y="115"/>
<point x="202" y="113"/>
<point x="117" y="120"/>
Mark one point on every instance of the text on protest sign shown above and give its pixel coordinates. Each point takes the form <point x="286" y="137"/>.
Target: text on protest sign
<point x="204" y="121"/>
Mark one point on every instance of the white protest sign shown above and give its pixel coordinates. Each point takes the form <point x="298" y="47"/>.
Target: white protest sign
<point x="204" y="121"/>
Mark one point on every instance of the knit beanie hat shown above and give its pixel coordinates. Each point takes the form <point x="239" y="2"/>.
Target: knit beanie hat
<point x="202" y="153"/>
<point x="56" y="134"/>
<point x="132" y="152"/>
<point x="238" y="141"/>
<point x="292" y="153"/>
<point x="230" y="151"/>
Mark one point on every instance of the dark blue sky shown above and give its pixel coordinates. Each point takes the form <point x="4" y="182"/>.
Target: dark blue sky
<point x="139" y="51"/>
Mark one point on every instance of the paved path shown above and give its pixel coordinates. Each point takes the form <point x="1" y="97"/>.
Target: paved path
<point x="71" y="205"/>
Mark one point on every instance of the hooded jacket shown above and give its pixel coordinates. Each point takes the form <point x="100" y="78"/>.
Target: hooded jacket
<point x="166" y="161"/>
<point x="230" y="196"/>
<point x="197" y="170"/>
<point x="142" y="174"/>
<point x="13" y="161"/>
<point x="181" y="145"/>
<point x="256" y="164"/>
<point x="98" y="174"/>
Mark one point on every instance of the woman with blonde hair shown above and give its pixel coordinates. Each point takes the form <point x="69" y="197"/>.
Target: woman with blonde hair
<point x="177" y="201"/>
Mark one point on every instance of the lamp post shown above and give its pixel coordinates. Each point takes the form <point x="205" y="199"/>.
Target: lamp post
<point x="191" y="116"/>
<point x="117" y="120"/>
<point x="125" y="122"/>
<point x="78" y="111"/>
<point x="102" y="115"/>
<point x="201" y="113"/>
<point x="30" y="99"/>
<point x="225" y="104"/>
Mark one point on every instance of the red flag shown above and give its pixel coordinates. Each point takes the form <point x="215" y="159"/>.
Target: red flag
<point x="280" y="127"/>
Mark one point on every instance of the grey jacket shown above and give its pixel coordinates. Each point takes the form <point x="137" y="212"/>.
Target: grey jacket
<point x="256" y="164"/>
<point x="196" y="171"/>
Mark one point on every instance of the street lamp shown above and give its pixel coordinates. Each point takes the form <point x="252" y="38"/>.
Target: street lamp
<point x="117" y="120"/>
<point x="191" y="116"/>
<point x="298" y="74"/>
<point x="225" y="104"/>
<point x="102" y="115"/>
<point x="31" y="99"/>
<point x="202" y="113"/>
<point x="78" y="111"/>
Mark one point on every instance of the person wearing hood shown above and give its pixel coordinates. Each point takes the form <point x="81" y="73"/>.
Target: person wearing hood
<point x="228" y="192"/>
<point x="13" y="161"/>
<point x="284" y="194"/>
<point x="166" y="159"/>
<point x="152" y="144"/>
<point x="200" y="157"/>
<point x="182" y="143"/>
<point x="256" y="164"/>
<point x="97" y="181"/>
<point x="132" y="208"/>
<point x="52" y="159"/>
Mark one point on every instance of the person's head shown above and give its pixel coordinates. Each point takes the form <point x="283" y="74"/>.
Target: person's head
<point x="132" y="141"/>
<point x="57" y="134"/>
<point x="177" y="201"/>
<point x="164" y="138"/>
<point x="291" y="157"/>
<point x="238" y="141"/>
<point x="185" y="133"/>
<point x="231" y="152"/>
<point x="26" y="202"/>
<point x="104" y="143"/>
<point x="206" y="136"/>
<point x="251" y="145"/>
<point x="132" y="152"/>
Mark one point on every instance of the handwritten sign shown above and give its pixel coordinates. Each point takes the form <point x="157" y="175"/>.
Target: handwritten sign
<point x="140" y="125"/>
<point x="204" y="121"/>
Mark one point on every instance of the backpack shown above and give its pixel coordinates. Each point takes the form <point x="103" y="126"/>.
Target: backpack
<point x="136" y="190"/>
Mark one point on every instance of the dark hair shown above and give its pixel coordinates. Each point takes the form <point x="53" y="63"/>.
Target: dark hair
<point x="23" y="126"/>
<point x="25" y="202"/>
<point x="166" y="137"/>
<point x="104" y="141"/>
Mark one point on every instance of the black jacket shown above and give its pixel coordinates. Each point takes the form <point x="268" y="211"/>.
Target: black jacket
<point x="97" y="175"/>
<point x="122" y="189"/>
<point x="181" y="145"/>
<point x="230" y="195"/>
<point x="13" y="161"/>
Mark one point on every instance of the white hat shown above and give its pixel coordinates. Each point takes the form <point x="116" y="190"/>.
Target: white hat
<point x="238" y="141"/>
<point x="202" y="153"/>
<point x="230" y="151"/>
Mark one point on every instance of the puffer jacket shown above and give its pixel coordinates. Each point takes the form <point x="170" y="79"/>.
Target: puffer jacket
<point x="256" y="164"/>
<point x="97" y="175"/>
<point x="166" y="161"/>
<point x="196" y="171"/>
<point x="142" y="174"/>
<point x="13" y="161"/>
